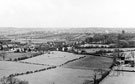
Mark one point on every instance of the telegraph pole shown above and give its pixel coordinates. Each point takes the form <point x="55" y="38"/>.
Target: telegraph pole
<point x="118" y="44"/>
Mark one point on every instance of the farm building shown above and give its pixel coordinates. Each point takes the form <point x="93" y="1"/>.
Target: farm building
<point x="10" y="45"/>
<point x="128" y="57"/>
<point x="5" y="47"/>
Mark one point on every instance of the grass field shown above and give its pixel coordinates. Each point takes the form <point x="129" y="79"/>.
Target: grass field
<point x="126" y="75"/>
<point x="8" y="67"/>
<point x="76" y="72"/>
<point x="59" y="76"/>
<point x="122" y="78"/>
<point x="12" y="55"/>
<point x="55" y="58"/>
<point x="91" y="62"/>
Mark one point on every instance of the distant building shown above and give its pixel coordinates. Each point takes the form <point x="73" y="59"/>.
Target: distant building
<point x="123" y="31"/>
<point x="5" y="47"/>
<point x="128" y="57"/>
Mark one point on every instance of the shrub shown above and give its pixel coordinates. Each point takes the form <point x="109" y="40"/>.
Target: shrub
<point x="11" y="80"/>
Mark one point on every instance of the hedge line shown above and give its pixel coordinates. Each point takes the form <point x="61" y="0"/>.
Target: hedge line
<point x="48" y="68"/>
<point x="30" y="72"/>
<point x="23" y="58"/>
<point x="35" y="63"/>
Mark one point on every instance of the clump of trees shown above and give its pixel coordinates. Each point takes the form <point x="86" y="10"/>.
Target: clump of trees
<point x="103" y="52"/>
<point x="109" y="38"/>
<point x="11" y="80"/>
<point x="126" y="44"/>
<point x="104" y="38"/>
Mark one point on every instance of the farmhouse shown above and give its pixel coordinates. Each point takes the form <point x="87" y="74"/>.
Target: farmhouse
<point x="4" y="47"/>
<point x="69" y="49"/>
<point x="10" y="45"/>
<point x="128" y="57"/>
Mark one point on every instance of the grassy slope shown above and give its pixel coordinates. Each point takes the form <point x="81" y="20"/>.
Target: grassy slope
<point x="55" y="58"/>
<point x="59" y="76"/>
<point x="90" y="62"/>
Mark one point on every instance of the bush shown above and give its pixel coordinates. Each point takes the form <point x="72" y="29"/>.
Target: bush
<point x="11" y="80"/>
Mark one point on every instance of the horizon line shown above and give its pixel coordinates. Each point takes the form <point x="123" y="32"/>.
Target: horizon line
<point x="69" y="27"/>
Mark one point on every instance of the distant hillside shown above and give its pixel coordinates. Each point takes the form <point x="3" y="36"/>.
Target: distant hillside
<point x="56" y="34"/>
<point x="11" y="30"/>
<point x="45" y="36"/>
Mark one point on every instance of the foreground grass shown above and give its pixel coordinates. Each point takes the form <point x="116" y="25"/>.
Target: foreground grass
<point x="59" y="76"/>
<point x="7" y="68"/>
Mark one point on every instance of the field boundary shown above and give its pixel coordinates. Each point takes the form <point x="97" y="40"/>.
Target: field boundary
<point x="44" y="69"/>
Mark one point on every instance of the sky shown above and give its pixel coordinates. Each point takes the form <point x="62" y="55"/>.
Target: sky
<point x="67" y="13"/>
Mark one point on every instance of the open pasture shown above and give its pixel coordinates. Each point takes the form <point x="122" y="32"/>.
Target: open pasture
<point x="8" y="67"/>
<point x="59" y="76"/>
<point x="91" y="62"/>
<point x="119" y="78"/>
<point x="54" y="58"/>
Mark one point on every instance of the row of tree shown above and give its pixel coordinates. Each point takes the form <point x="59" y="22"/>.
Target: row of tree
<point x="109" y="38"/>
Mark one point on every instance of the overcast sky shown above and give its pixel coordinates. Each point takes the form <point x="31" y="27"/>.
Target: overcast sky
<point x="67" y="13"/>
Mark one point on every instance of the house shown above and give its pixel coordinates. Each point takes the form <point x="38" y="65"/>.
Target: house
<point x="128" y="57"/>
<point x="69" y="49"/>
<point x="10" y="46"/>
<point x="5" y="47"/>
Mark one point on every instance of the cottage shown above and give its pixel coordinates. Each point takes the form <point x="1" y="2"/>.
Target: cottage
<point x="4" y="47"/>
<point x="128" y="57"/>
<point x="69" y="49"/>
<point x="10" y="46"/>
